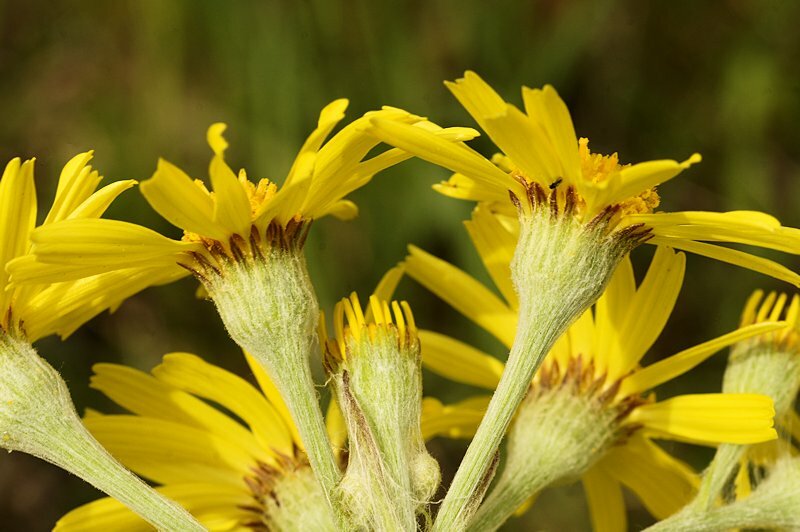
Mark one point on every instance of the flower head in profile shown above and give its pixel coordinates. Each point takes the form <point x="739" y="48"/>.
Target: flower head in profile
<point x="53" y="304"/>
<point x="238" y="467"/>
<point x="593" y="373"/>
<point x="546" y="168"/>
<point x="238" y="219"/>
<point x="374" y="362"/>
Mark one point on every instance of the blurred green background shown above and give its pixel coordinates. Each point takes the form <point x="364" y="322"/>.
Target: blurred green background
<point x="136" y="80"/>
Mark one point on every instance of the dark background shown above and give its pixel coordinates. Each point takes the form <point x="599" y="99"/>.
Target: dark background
<point x="136" y="80"/>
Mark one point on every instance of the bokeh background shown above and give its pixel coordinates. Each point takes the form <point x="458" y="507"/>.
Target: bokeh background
<point x="136" y="80"/>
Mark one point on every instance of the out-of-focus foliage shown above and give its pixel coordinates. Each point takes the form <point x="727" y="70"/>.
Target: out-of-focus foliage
<point x="140" y="79"/>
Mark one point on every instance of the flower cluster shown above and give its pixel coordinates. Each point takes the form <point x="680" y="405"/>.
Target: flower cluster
<point x="567" y="390"/>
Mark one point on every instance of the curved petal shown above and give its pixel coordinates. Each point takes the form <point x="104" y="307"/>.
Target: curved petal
<point x="663" y="483"/>
<point x="95" y="205"/>
<point x="192" y="374"/>
<point x="182" y="202"/>
<point x="732" y="256"/>
<point x="75" y="184"/>
<point x="679" y="363"/>
<point x="146" y="396"/>
<point x="170" y="452"/>
<point x="17" y="218"/>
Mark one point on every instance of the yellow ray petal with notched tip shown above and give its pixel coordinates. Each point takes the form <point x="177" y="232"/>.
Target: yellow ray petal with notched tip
<point x="231" y="204"/>
<point x="182" y="202"/>
<point x="168" y="452"/>
<point x="217" y="507"/>
<point x="146" y="396"/>
<point x="663" y="483"/>
<point x="457" y="420"/>
<point x="192" y="374"/>
<point x="606" y="505"/>
<point x="709" y="419"/>
<point x="458" y="361"/>
<point x="75" y="184"/>
<point x="463" y="293"/>
<point x="679" y="363"/>
<point x="96" y="205"/>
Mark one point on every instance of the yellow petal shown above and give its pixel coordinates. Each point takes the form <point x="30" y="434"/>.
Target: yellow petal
<point x="104" y="244"/>
<point x="95" y="205"/>
<point x="663" y="483"/>
<point x="217" y="507"/>
<point x="610" y="312"/>
<point x="709" y="418"/>
<point x="170" y="452"/>
<point x="633" y="180"/>
<point x="274" y="396"/>
<point x="463" y="293"/>
<point x="526" y="144"/>
<point x="17" y="217"/>
<point x="460" y="186"/>
<point x="182" y="202"/>
<point x="336" y="427"/>
<point x="232" y="208"/>
<point x="192" y="374"/>
<point x="606" y="505"/>
<point x="215" y="138"/>
<point x="289" y="200"/>
<point x="341" y="210"/>
<point x="496" y="246"/>
<point x="732" y="256"/>
<point x="384" y="291"/>
<point x="741" y="227"/>
<point x="330" y="115"/>
<point x="458" y="361"/>
<point x="64" y="306"/>
<point x="679" y="363"/>
<point x="75" y="184"/>
<point x="456" y="157"/>
<point x="648" y="311"/>
<point x="458" y="420"/>
<point x="146" y="396"/>
<point x="546" y="107"/>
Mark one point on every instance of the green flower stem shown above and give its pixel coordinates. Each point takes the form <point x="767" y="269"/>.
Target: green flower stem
<point x="560" y="268"/>
<point x="722" y="468"/>
<point x="529" y="349"/>
<point x="37" y="417"/>
<point x="269" y="308"/>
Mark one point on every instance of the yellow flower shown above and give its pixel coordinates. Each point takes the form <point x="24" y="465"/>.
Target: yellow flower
<point x="597" y="359"/>
<point x="238" y="468"/>
<point x="239" y="218"/>
<point x="544" y="166"/>
<point x="50" y="305"/>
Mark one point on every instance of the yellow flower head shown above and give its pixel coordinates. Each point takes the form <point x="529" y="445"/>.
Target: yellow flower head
<point x="231" y="470"/>
<point x="597" y="359"/>
<point x="546" y="167"/>
<point x="48" y="304"/>
<point x="352" y="326"/>
<point x="236" y="220"/>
